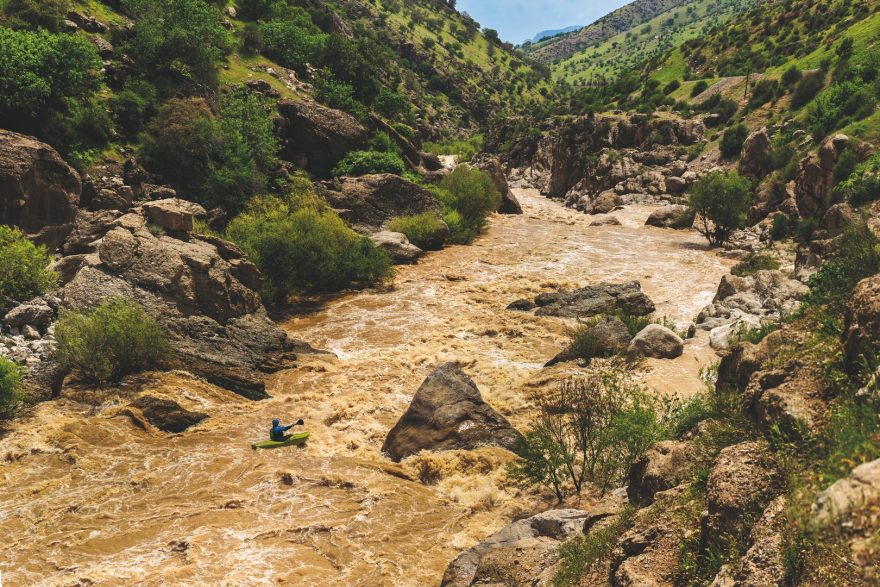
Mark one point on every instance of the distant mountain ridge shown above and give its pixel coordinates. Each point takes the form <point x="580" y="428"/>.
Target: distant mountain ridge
<point x="622" y="19"/>
<point x="553" y="32"/>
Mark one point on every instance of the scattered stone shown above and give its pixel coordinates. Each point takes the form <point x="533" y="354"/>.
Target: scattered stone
<point x="448" y="413"/>
<point x="522" y="306"/>
<point x="173" y="214"/>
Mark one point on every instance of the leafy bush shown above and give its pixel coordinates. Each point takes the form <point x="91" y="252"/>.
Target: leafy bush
<point x="671" y="87"/>
<point x="366" y="162"/>
<point x="262" y="9"/>
<point x="425" y="230"/>
<point x="42" y="74"/>
<point x="783" y="226"/>
<point x="115" y="339"/>
<point x="722" y="201"/>
<point x="10" y="379"/>
<point x="465" y="150"/>
<point x="590" y="429"/>
<point x="300" y="245"/>
<point x="218" y="161"/>
<point x="177" y="42"/>
<point x="862" y="185"/>
<point x="791" y="76"/>
<point x="754" y="262"/>
<point x="467" y="197"/>
<point x="135" y="105"/>
<point x="858" y="258"/>
<point x="733" y="139"/>
<point x="47" y="14"/>
<point x="24" y="271"/>
<point x="294" y="41"/>
<point x="807" y="88"/>
<point x="699" y="87"/>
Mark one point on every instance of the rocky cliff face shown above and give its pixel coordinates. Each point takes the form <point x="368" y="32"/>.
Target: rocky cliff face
<point x="582" y="158"/>
<point x="202" y="289"/>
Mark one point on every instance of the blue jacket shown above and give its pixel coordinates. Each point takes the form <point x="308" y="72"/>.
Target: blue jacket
<point x="277" y="432"/>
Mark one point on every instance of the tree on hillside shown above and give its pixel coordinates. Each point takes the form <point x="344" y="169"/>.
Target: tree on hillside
<point x="721" y="200"/>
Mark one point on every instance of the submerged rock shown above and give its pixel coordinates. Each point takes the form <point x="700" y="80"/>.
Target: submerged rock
<point x="448" y="413"/>
<point x="397" y="245"/>
<point x="675" y="216"/>
<point x="166" y="415"/>
<point x="597" y="299"/>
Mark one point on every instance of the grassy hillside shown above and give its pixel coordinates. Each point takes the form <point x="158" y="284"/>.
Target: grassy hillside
<point x="627" y="49"/>
<point x="621" y="20"/>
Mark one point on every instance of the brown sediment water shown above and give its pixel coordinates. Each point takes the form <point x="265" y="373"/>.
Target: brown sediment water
<point x="88" y="498"/>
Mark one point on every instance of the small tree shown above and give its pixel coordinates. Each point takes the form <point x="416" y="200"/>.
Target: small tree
<point x="721" y="200"/>
<point x="590" y="429"/>
<point x="733" y="139"/>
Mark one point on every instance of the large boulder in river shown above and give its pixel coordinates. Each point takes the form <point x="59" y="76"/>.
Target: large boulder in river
<point x="448" y="413"/>
<point x="39" y="191"/>
<point x="605" y="298"/>
<point x="397" y="245"/>
<point x="674" y="216"/>
<point x="315" y="137"/>
<point x="657" y="342"/>
<point x="368" y="202"/>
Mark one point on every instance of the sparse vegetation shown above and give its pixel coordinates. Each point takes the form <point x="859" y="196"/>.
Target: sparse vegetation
<point x="10" y="379"/>
<point x="24" y="267"/>
<point x="425" y="230"/>
<point x="721" y="201"/>
<point x="467" y="197"/>
<point x="754" y="262"/>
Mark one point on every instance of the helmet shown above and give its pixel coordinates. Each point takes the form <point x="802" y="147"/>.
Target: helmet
<point x="276" y="422"/>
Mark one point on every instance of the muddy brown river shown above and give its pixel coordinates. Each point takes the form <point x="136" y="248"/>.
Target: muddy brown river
<point x="87" y="498"/>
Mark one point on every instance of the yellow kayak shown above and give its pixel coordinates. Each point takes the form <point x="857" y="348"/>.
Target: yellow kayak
<point x="294" y="440"/>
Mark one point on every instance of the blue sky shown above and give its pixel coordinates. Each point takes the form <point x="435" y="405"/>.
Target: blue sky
<point x="518" y="20"/>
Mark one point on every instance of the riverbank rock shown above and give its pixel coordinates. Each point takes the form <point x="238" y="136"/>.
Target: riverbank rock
<point x="755" y="156"/>
<point x="509" y="203"/>
<point x="596" y="299"/>
<point x="448" y="413"/>
<point x="743" y="481"/>
<point x="608" y="336"/>
<point x="763" y="564"/>
<point x="164" y="414"/>
<point x="862" y="320"/>
<point x="202" y="290"/>
<point x="661" y="467"/>
<point x="521" y="554"/>
<point x="397" y="245"/>
<point x="657" y="342"/>
<point x="173" y="214"/>
<point x="315" y="137"/>
<point x="675" y="216"/>
<point x="39" y="191"/>
<point x="368" y="202"/>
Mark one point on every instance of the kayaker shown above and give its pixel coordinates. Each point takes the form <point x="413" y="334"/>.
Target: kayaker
<point x="278" y="431"/>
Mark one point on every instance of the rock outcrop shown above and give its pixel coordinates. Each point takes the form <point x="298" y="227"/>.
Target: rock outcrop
<point x="661" y="467"/>
<point x="608" y="336"/>
<point x="755" y="157"/>
<point x="509" y="203"/>
<point x="39" y="191"/>
<point x="862" y="320"/>
<point x="448" y="413"/>
<point x="397" y="245"/>
<point x="315" y="137"/>
<point x="202" y="290"/>
<point x="816" y="178"/>
<point x="368" y="202"/>
<point x="596" y="299"/>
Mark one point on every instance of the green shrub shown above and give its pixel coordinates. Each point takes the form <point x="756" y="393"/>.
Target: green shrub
<point x="42" y="74"/>
<point x="383" y="143"/>
<point x="262" y="9"/>
<point x="300" y="245"/>
<point x="10" y="379"/>
<point x="425" y="230"/>
<point x="791" y="76"/>
<point x="752" y="263"/>
<point x="366" y="162"/>
<point x="671" y="87"/>
<point x="115" y="339"/>
<point x="47" y="14"/>
<point x="24" y="271"/>
<point x="699" y="87"/>
<point x="807" y="88"/>
<point x="135" y="105"/>
<point x="464" y="150"/>
<point x="806" y="228"/>
<point x="732" y="141"/>
<point x="472" y="195"/>
<point x="862" y="185"/>
<point x="858" y="258"/>
<point x="722" y="201"/>
<point x="782" y="226"/>
<point x="293" y="42"/>
<point x="176" y="42"/>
